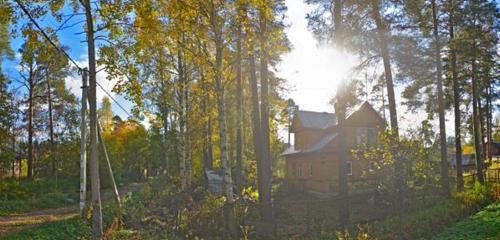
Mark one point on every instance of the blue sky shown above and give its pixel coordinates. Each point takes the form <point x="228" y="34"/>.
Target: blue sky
<point x="74" y="39"/>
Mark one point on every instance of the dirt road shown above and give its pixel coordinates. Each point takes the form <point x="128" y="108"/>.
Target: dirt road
<point x="30" y="219"/>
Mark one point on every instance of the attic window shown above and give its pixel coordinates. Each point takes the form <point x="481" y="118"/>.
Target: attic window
<point x="366" y="135"/>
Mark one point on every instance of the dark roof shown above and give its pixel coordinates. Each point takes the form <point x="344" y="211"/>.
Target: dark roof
<point x="467" y="159"/>
<point x="320" y="120"/>
<point x="316" y="146"/>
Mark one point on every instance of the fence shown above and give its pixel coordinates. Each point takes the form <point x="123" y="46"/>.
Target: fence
<point x="297" y="218"/>
<point x="490" y="175"/>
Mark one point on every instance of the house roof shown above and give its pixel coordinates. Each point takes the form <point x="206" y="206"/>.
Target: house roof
<point x="320" y="120"/>
<point x="316" y="146"/>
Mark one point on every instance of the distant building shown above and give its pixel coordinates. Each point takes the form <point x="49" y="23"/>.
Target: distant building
<point x="312" y="162"/>
<point x="468" y="161"/>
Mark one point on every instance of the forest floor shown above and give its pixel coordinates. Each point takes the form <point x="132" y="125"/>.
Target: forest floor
<point x="17" y="222"/>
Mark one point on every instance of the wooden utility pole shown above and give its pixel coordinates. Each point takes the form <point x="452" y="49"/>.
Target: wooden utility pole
<point x="83" y="147"/>
<point x="94" y="158"/>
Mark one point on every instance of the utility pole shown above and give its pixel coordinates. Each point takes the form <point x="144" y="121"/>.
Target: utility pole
<point x="83" y="147"/>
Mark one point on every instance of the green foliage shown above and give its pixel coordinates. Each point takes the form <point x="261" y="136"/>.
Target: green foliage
<point x="418" y="160"/>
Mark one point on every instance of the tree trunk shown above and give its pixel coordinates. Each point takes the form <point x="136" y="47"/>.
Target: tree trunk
<point x="30" y="128"/>
<point x="182" y="122"/>
<point x="226" y="168"/>
<point x="51" y="125"/>
<point x="456" y="100"/>
<point x="445" y="183"/>
<point x="239" y="116"/>
<point x="382" y="41"/>
<point x="256" y="131"/>
<point x="480" y="110"/>
<point x="475" y="122"/>
<point x="264" y="113"/>
<point x="94" y="161"/>
<point x="165" y="139"/>
<point x="489" y="126"/>
<point x="340" y="108"/>
<point x="187" y="138"/>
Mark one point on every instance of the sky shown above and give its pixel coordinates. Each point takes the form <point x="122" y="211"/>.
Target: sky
<point x="312" y="71"/>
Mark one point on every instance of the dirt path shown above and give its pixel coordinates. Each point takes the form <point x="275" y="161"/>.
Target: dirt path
<point x="30" y="219"/>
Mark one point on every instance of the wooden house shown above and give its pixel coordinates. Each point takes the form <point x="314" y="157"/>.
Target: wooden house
<point x="312" y="162"/>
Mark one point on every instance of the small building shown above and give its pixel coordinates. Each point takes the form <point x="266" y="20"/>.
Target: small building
<point x="312" y="162"/>
<point x="468" y="161"/>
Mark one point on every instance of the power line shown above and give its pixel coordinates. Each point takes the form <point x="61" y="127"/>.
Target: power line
<point x="67" y="55"/>
<point x="114" y="100"/>
<point x="45" y="34"/>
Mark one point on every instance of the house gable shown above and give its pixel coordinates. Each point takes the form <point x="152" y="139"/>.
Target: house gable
<point x="365" y="115"/>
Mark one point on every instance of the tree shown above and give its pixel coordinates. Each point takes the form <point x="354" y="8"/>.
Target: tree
<point x="31" y="73"/>
<point x="456" y="94"/>
<point x="106" y="114"/>
<point x="442" y="128"/>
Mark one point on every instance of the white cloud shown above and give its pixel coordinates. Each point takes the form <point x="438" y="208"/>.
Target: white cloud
<point x="74" y="82"/>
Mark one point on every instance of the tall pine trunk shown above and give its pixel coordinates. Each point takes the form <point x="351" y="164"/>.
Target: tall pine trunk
<point x="489" y="126"/>
<point x="456" y="99"/>
<point x="475" y="121"/>
<point x="382" y="32"/>
<point x="340" y="108"/>
<point x="256" y="125"/>
<point x="239" y="114"/>
<point x="94" y="161"/>
<point x="264" y="113"/>
<point x="445" y="183"/>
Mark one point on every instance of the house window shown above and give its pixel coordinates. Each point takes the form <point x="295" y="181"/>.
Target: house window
<point x="372" y="166"/>
<point x="299" y="171"/>
<point x="366" y="135"/>
<point x="349" y="168"/>
<point x="310" y="169"/>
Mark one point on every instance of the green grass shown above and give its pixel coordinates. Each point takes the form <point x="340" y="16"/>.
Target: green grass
<point x="481" y="226"/>
<point x="19" y="196"/>
<point x="72" y="228"/>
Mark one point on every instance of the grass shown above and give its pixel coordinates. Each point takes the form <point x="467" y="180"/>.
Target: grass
<point x="481" y="226"/>
<point x="72" y="228"/>
<point x="19" y="196"/>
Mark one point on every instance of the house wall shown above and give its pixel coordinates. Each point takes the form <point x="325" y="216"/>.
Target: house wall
<point x="305" y="137"/>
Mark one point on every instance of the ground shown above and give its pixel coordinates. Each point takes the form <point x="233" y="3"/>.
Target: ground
<point x="18" y="222"/>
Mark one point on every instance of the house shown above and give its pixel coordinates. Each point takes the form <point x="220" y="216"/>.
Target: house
<point x="312" y="162"/>
<point x="468" y="161"/>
